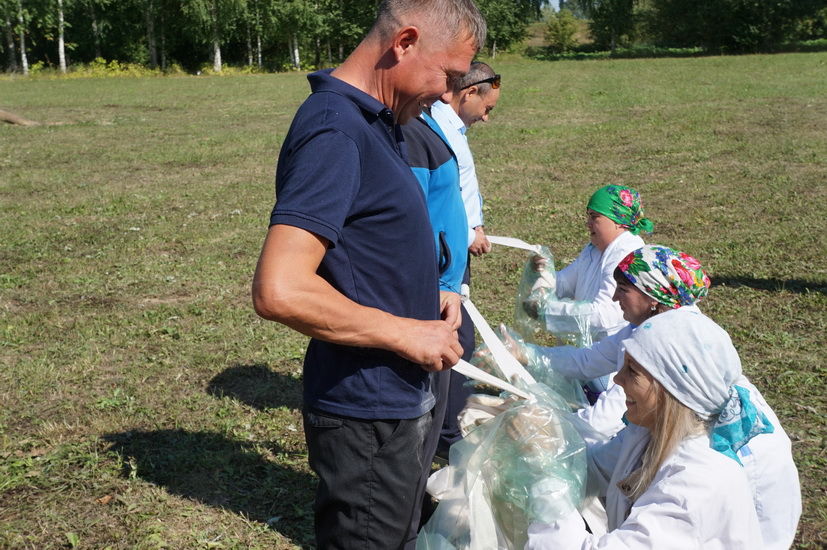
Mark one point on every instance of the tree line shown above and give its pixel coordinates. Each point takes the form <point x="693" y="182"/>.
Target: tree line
<point x="264" y="34"/>
<point x="717" y="26"/>
<point x="194" y="35"/>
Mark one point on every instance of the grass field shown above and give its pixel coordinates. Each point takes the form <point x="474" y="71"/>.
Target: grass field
<point x="144" y="405"/>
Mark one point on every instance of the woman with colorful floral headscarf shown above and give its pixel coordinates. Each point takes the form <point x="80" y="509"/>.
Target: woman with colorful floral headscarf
<point x="683" y="473"/>
<point x="614" y="218"/>
<point x="649" y="280"/>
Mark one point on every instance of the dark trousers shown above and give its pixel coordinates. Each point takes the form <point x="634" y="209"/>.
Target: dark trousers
<point x="439" y="386"/>
<point x="370" y="472"/>
<point x="458" y="390"/>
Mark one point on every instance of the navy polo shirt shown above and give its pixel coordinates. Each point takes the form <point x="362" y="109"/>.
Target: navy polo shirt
<point x="342" y="174"/>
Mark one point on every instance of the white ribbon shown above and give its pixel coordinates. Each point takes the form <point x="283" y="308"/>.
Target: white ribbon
<point x="508" y="364"/>
<point x="467" y="369"/>
<point x="513" y="243"/>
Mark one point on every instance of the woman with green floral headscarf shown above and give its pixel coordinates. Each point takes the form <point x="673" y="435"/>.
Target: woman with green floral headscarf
<point x="614" y="218"/>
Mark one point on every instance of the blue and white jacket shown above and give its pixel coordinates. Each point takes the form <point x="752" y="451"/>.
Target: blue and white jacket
<point x="435" y="166"/>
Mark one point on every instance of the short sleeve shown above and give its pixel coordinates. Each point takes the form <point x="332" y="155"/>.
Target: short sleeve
<point x="316" y="184"/>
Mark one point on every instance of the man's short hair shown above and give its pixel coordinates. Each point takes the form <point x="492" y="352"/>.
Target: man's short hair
<point x="450" y="19"/>
<point x="479" y="71"/>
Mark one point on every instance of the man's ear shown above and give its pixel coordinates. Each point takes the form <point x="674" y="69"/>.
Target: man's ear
<point x="468" y="92"/>
<point x="404" y="40"/>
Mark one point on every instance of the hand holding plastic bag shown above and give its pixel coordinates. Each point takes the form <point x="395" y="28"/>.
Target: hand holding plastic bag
<point x="538" y="282"/>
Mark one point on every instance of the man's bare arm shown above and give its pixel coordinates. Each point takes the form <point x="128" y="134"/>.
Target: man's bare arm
<point x="287" y="289"/>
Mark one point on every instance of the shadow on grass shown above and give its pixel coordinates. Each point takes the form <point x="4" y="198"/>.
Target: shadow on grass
<point x="211" y="469"/>
<point x="257" y="386"/>
<point x="791" y="285"/>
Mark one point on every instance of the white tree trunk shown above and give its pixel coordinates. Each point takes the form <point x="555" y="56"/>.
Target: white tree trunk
<point x="294" y="41"/>
<point x="61" y="44"/>
<point x="11" y="49"/>
<point x="249" y="46"/>
<point x="216" y="39"/>
<point x="24" y="61"/>
<point x="258" y="37"/>
<point x="216" y="55"/>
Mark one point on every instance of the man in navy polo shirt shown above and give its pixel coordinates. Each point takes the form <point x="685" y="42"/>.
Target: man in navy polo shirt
<point x="349" y="260"/>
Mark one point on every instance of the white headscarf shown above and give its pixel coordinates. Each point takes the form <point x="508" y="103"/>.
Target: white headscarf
<point x="695" y="361"/>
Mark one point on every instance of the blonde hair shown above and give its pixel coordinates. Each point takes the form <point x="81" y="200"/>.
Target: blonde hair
<point x="673" y="422"/>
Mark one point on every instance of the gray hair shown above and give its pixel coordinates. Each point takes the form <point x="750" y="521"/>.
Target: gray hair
<point x="479" y="71"/>
<point x="451" y="19"/>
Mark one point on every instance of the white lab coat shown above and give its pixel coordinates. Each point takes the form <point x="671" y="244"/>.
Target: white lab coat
<point x="767" y="462"/>
<point x="699" y="500"/>
<point x="589" y="278"/>
<point x="773" y="478"/>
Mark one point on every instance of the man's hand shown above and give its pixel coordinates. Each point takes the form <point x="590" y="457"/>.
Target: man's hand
<point x="288" y="289"/>
<point x="481" y="245"/>
<point x="449" y="308"/>
<point x="431" y="344"/>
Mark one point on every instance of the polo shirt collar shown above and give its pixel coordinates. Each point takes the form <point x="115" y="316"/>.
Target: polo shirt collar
<point x="323" y="81"/>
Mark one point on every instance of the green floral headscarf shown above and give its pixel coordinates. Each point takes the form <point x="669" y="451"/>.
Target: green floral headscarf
<point x="621" y="205"/>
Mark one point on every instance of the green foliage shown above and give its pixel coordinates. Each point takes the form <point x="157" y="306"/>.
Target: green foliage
<point x="508" y="21"/>
<point x="734" y="25"/>
<point x="612" y="21"/>
<point x="100" y="68"/>
<point x="561" y="31"/>
<point x="814" y="26"/>
<point x="631" y="52"/>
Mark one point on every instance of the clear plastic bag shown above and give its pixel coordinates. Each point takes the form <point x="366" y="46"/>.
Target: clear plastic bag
<point x="526" y="463"/>
<point x="538" y="308"/>
<point x="538" y="282"/>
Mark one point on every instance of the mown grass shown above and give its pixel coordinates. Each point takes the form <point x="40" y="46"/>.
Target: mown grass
<point x="144" y="405"/>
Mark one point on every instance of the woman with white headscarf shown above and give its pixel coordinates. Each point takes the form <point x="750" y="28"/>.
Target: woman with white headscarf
<point x="673" y="477"/>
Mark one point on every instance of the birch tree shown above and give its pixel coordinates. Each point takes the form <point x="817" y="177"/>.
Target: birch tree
<point x="61" y="42"/>
<point x="214" y="18"/>
<point x="22" y="16"/>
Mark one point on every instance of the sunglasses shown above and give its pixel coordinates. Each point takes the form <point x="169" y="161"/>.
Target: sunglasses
<point x="493" y="80"/>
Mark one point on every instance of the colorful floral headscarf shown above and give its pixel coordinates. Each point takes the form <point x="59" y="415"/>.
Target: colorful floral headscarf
<point x="671" y="277"/>
<point x="621" y="205"/>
